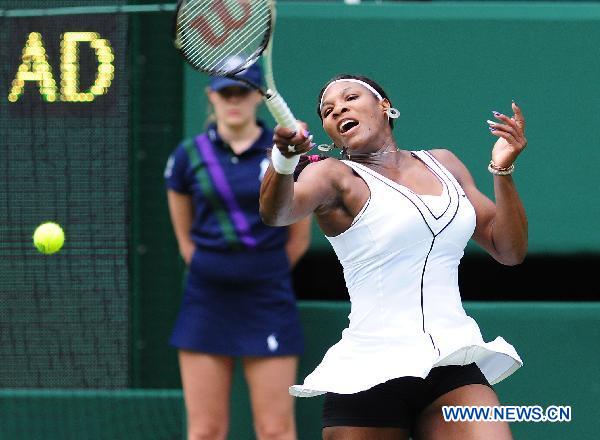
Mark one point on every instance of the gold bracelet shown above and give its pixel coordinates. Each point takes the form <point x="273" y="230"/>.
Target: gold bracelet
<point x="497" y="171"/>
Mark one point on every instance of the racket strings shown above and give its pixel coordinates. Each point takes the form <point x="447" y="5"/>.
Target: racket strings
<point x="239" y="49"/>
<point x="236" y="42"/>
<point x="213" y="58"/>
<point x="209" y="56"/>
<point x="203" y="9"/>
<point x="212" y="32"/>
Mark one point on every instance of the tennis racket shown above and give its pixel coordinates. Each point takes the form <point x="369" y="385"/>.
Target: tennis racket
<point x="224" y="37"/>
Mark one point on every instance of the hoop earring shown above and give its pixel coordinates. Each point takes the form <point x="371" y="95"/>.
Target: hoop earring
<point x="326" y="147"/>
<point x="393" y="113"/>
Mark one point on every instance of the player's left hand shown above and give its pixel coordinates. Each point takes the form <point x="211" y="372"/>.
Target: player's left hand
<point x="511" y="132"/>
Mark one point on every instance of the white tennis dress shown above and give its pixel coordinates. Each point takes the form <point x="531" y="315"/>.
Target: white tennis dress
<point x="400" y="258"/>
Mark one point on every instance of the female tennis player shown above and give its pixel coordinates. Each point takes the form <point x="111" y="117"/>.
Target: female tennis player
<point x="238" y="299"/>
<point x="399" y="222"/>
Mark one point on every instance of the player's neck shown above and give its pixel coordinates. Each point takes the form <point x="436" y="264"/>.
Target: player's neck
<point x="376" y="158"/>
<point x="374" y="151"/>
<point x="239" y="137"/>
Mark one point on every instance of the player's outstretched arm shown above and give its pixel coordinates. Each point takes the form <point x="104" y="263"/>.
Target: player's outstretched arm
<point x="501" y="227"/>
<point x="283" y="202"/>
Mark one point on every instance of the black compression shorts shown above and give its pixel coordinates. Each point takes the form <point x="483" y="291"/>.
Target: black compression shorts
<point x="397" y="403"/>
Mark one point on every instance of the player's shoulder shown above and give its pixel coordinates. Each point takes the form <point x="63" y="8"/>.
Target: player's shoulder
<point x="327" y="167"/>
<point x="327" y="172"/>
<point x="444" y="155"/>
<point x="451" y="161"/>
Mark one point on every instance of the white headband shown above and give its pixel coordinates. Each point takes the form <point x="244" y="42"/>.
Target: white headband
<point x="358" y="81"/>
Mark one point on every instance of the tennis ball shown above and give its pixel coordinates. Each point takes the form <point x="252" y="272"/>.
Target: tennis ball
<point x="48" y="238"/>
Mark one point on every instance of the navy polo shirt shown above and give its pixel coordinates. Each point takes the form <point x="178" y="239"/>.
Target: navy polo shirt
<point x="225" y="190"/>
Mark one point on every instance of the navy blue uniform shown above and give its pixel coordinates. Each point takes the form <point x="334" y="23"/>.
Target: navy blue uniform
<point x="238" y="297"/>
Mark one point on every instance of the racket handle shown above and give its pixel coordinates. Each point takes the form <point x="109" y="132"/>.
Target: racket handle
<point x="280" y="110"/>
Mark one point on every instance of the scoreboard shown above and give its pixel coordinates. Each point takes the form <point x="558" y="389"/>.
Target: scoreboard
<point x="34" y="68"/>
<point x="65" y="142"/>
<point x="63" y="60"/>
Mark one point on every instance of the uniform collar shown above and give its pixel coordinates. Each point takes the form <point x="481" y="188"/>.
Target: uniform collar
<point x="265" y="138"/>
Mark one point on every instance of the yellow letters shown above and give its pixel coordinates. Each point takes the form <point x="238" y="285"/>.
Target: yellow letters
<point x="69" y="65"/>
<point x="35" y="67"/>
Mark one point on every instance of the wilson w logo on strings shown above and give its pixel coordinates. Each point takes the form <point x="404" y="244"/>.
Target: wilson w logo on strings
<point x="215" y="30"/>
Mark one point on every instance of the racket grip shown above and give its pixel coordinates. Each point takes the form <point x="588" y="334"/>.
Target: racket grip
<point x="280" y="111"/>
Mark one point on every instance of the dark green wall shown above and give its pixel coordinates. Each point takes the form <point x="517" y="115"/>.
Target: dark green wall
<point x="552" y="339"/>
<point x="556" y="341"/>
<point x="156" y="269"/>
<point x="446" y="67"/>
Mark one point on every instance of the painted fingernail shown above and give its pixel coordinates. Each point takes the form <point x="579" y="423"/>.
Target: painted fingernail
<point x="490" y="122"/>
<point x="491" y="128"/>
<point x="496" y="113"/>
<point x="306" y="133"/>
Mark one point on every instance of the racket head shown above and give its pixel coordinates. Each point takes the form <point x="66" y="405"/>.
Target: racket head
<point x="223" y="37"/>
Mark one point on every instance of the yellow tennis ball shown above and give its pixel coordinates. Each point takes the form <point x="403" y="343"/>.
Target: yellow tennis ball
<point x="48" y="238"/>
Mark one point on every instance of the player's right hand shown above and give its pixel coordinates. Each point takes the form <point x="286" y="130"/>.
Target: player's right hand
<point x="300" y="140"/>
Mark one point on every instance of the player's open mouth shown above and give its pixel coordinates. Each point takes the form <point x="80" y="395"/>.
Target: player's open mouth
<point x="347" y="125"/>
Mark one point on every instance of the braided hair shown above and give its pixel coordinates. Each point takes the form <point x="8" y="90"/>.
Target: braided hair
<point x="305" y="160"/>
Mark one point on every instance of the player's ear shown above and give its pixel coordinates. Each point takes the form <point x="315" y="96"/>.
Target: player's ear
<point x="385" y="104"/>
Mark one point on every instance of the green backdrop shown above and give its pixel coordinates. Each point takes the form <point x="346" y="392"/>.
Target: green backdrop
<point x="446" y="66"/>
<point x="557" y="342"/>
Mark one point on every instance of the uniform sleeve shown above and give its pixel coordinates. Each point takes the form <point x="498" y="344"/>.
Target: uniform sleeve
<point x="177" y="171"/>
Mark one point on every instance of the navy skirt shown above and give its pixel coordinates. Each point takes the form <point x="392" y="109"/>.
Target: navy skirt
<point x="239" y="304"/>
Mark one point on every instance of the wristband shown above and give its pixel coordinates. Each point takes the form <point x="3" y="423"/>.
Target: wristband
<point x="282" y="164"/>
